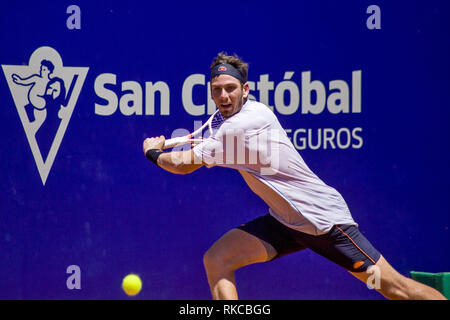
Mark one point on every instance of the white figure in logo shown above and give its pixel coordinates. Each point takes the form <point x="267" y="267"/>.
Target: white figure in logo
<point x="36" y="108"/>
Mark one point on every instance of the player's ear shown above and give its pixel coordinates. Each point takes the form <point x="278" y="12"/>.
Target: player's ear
<point x="246" y="89"/>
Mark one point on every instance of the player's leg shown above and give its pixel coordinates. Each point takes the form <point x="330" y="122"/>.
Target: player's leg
<point x="259" y="240"/>
<point x="346" y="246"/>
<point x="235" y="249"/>
<point x="393" y="285"/>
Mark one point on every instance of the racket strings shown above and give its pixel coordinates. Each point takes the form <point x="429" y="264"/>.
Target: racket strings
<point x="214" y="124"/>
<point x="217" y="121"/>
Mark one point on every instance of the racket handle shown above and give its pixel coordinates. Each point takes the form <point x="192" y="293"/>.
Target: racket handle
<point x="170" y="143"/>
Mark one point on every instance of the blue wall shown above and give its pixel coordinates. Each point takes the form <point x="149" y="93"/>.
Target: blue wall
<point x="105" y="208"/>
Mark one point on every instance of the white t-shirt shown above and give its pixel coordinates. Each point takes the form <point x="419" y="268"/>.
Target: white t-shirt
<point x="253" y="142"/>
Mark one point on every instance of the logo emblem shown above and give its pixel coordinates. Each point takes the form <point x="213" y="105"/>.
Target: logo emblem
<point x="45" y="94"/>
<point x="222" y="68"/>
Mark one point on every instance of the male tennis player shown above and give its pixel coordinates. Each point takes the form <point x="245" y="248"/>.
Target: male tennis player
<point x="304" y="211"/>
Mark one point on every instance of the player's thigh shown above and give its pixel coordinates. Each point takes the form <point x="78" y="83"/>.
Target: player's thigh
<point x="238" y="248"/>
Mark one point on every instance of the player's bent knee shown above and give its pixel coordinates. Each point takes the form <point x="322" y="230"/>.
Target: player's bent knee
<point x="394" y="293"/>
<point x="217" y="261"/>
<point x="212" y="261"/>
<point x="395" y="289"/>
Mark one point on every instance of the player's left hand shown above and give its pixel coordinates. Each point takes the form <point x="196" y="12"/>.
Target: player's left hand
<point x="153" y="143"/>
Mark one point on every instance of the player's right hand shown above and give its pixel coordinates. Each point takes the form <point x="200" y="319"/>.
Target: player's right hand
<point x="153" y="143"/>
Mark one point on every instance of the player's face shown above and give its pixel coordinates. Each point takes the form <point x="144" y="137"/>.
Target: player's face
<point x="229" y="94"/>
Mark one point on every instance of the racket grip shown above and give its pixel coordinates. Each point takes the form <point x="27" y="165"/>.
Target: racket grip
<point x="170" y="143"/>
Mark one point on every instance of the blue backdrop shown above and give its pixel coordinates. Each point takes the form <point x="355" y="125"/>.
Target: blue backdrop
<point x="380" y="136"/>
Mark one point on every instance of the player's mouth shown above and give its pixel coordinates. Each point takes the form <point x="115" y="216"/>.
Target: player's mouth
<point x="226" y="106"/>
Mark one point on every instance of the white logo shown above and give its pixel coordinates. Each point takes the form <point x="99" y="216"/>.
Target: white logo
<point x="45" y="94"/>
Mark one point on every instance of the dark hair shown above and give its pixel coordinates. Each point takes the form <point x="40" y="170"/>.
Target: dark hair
<point x="234" y="60"/>
<point x="48" y="64"/>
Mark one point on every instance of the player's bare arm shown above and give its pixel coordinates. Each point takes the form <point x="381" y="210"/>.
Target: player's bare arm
<point x="178" y="162"/>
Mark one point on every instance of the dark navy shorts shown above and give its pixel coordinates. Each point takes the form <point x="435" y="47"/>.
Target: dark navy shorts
<point x="343" y="244"/>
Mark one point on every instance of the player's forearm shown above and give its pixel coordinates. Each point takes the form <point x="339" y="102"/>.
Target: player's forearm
<point x="178" y="162"/>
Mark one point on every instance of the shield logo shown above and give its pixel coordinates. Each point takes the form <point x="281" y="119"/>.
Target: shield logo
<point x="45" y="94"/>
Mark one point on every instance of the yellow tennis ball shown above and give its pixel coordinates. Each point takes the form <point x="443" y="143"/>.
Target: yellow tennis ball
<point x="132" y="284"/>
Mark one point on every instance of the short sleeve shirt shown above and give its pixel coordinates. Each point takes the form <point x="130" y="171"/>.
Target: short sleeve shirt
<point x="253" y="142"/>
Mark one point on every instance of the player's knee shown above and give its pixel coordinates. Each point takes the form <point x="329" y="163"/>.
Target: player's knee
<point x="396" y="289"/>
<point x="394" y="293"/>
<point x="210" y="260"/>
<point x="215" y="261"/>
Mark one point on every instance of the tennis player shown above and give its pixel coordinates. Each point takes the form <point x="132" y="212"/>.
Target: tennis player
<point x="304" y="212"/>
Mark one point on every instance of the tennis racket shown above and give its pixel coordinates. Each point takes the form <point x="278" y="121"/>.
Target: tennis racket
<point x="215" y="120"/>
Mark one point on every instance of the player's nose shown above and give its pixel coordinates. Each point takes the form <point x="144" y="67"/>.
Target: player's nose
<point x="223" y="95"/>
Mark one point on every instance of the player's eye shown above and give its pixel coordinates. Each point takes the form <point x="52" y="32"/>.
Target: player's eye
<point x="230" y="89"/>
<point x="216" y="92"/>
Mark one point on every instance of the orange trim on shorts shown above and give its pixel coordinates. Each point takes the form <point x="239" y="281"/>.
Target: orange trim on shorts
<point x="356" y="244"/>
